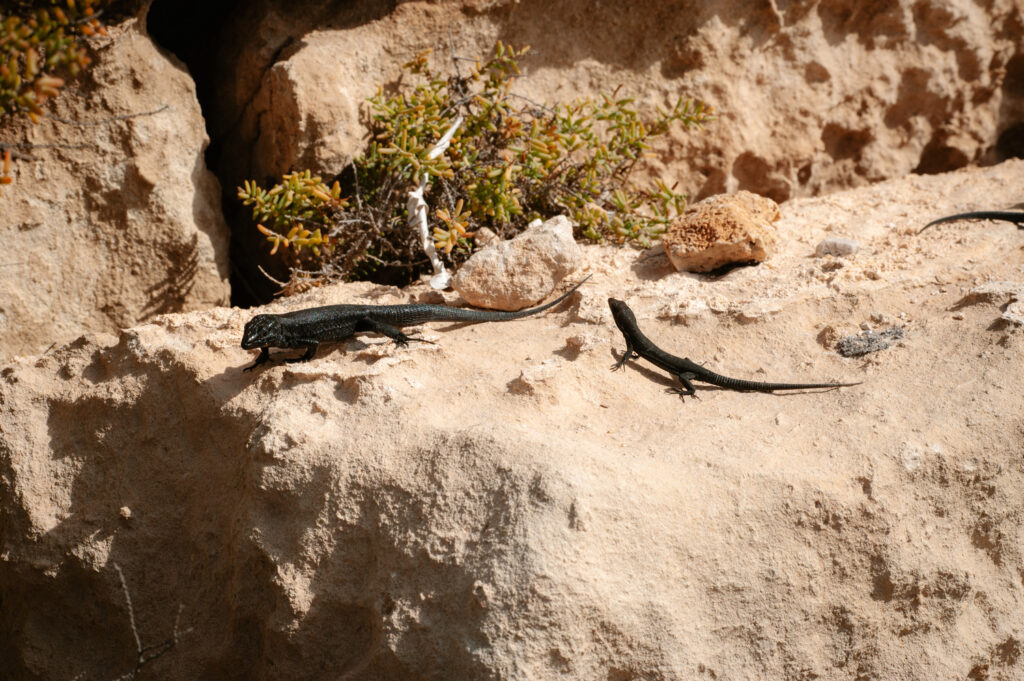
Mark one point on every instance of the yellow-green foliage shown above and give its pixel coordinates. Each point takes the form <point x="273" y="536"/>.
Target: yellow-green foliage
<point x="36" y="44"/>
<point x="299" y="200"/>
<point x="511" y="161"/>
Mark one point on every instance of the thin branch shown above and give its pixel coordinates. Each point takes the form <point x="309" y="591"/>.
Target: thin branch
<point x="27" y="145"/>
<point x="146" y="654"/>
<point x="104" y="121"/>
<point x="455" y="60"/>
<point x="279" y="283"/>
<point x="131" y="610"/>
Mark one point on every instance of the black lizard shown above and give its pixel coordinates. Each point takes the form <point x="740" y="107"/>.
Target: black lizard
<point x="1009" y="216"/>
<point x="639" y="345"/>
<point x="310" y="327"/>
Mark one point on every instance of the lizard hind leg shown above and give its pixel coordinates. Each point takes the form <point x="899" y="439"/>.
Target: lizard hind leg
<point x="385" y="329"/>
<point x="307" y="355"/>
<point x="687" y="390"/>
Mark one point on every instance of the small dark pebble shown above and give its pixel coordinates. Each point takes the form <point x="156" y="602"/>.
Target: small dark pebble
<point x="869" y="341"/>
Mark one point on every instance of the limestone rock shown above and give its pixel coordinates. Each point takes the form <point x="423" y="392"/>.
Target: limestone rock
<point x="722" y="230"/>
<point x="793" y="122"/>
<point x="406" y="514"/>
<point x="834" y="245"/>
<point x="522" y="271"/>
<point x="1007" y="295"/>
<point x="115" y="221"/>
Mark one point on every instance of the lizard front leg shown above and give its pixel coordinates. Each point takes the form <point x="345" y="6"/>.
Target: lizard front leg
<point x="629" y="354"/>
<point x="264" y="356"/>
<point x="311" y="347"/>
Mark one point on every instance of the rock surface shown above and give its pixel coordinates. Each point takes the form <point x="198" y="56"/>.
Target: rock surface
<point x="522" y="271"/>
<point x="812" y="96"/>
<point x="722" y="230"/>
<point x="501" y="506"/>
<point x="117" y="219"/>
<point x="835" y="245"/>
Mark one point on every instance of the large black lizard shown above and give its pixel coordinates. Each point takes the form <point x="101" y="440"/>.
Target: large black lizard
<point x="639" y="345"/>
<point x="332" y="323"/>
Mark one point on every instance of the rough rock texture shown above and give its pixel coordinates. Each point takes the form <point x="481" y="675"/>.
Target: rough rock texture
<point x="1008" y="295"/>
<point x="722" y="230"/>
<point x="812" y="96"/>
<point x="501" y="506"/>
<point x="115" y="221"/>
<point x="836" y="245"/>
<point x="522" y="271"/>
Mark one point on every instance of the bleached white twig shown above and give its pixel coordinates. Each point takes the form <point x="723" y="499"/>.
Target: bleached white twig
<point x="417" y="209"/>
<point x="131" y="610"/>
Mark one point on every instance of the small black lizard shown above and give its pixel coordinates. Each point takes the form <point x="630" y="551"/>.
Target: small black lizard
<point x="310" y="327"/>
<point x="1009" y="216"/>
<point x="639" y="345"/>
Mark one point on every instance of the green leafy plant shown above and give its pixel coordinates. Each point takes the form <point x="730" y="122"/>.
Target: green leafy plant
<point x="510" y="161"/>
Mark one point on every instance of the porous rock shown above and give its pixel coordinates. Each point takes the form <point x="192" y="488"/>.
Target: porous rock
<point x="522" y="271"/>
<point x="409" y="514"/>
<point x="1007" y="295"/>
<point x="794" y="121"/>
<point x="115" y="218"/>
<point x="722" y="230"/>
<point x="835" y="245"/>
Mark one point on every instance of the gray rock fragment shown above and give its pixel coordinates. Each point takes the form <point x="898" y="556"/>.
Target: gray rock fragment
<point x="869" y="341"/>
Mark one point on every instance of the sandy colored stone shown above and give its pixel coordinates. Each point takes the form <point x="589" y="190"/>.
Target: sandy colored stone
<point x="400" y="513"/>
<point x="114" y="221"/>
<point x="810" y="98"/>
<point x="521" y="271"/>
<point x="722" y="230"/>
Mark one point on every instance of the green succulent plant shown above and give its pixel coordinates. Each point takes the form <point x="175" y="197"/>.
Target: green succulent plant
<point x="510" y="162"/>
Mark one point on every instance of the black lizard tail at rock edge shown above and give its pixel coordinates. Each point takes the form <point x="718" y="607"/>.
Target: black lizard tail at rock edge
<point x="639" y="345"/>
<point x="1009" y="216"/>
<point x="332" y="323"/>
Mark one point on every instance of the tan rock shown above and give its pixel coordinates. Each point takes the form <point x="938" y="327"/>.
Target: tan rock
<point x="522" y="271"/>
<point x="794" y="121"/>
<point x="1008" y="296"/>
<point x="116" y="219"/>
<point x="722" y="230"/>
<point x="501" y="506"/>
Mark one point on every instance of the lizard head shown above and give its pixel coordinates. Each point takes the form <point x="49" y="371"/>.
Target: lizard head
<point x="621" y="313"/>
<point x="261" y="331"/>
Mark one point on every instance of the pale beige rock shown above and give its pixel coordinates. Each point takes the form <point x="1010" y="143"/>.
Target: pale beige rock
<point x="1007" y="296"/>
<point x="722" y="230"/>
<point x="114" y="221"/>
<point x="388" y="513"/>
<point x="522" y="271"/>
<point x="810" y="98"/>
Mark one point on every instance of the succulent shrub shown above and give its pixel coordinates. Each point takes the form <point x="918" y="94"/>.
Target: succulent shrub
<point x="511" y="161"/>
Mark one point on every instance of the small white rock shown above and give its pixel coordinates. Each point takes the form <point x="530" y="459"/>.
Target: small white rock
<point x="520" y="272"/>
<point x="835" y="245"/>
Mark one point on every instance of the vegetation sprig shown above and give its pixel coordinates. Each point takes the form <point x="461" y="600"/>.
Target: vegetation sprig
<point x="38" y="40"/>
<point x="510" y="162"/>
<point x="38" y="43"/>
